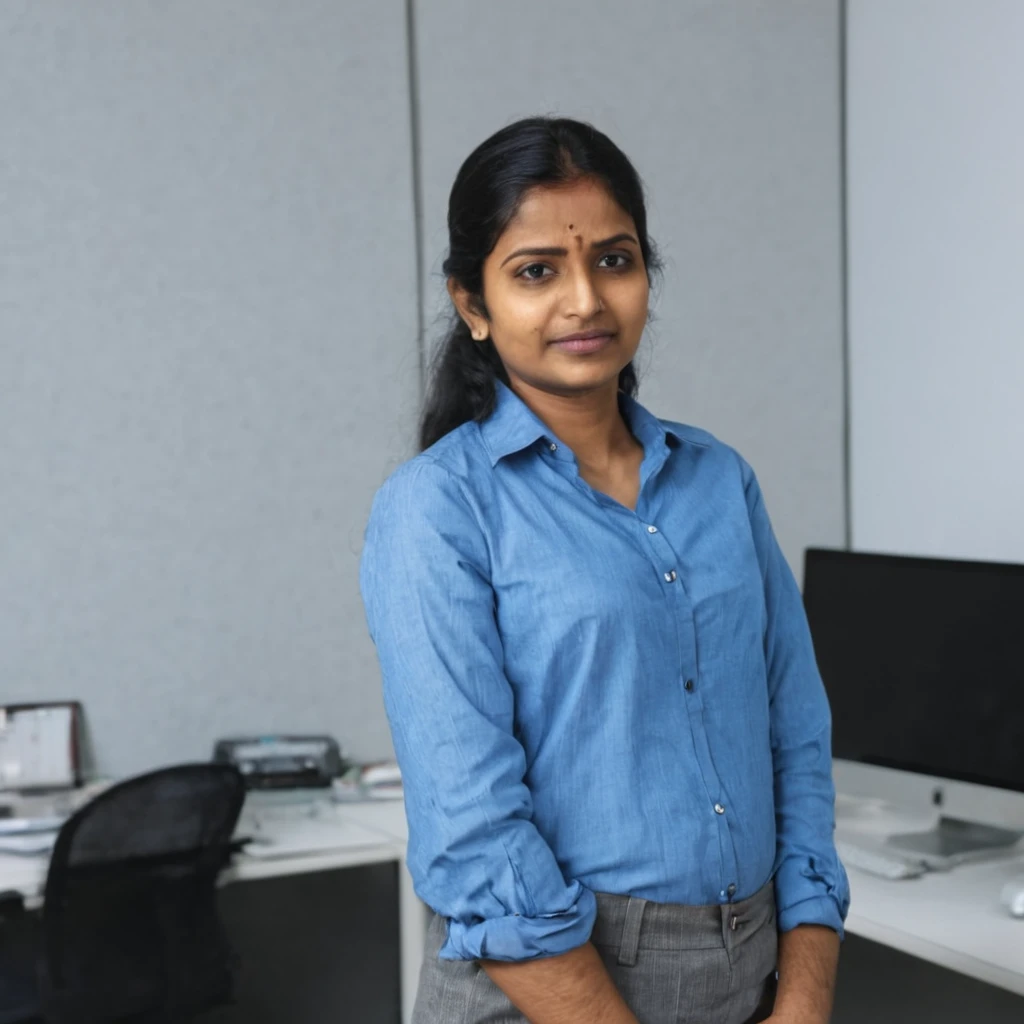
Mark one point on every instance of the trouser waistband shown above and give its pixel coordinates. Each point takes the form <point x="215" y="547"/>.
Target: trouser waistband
<point x="632" y="923"/>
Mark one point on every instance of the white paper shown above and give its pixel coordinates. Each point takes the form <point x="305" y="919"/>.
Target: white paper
<point x="35" y="748"/>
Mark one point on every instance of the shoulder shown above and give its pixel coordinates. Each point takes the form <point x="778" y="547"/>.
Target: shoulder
<point x="715" y="450"/>
<point x="424" y="507"/>
<point x="440" y="475"/>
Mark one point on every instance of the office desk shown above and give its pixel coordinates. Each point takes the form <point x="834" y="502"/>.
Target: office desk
<point x="951" y="918"/>
<point x="369" y="833"/>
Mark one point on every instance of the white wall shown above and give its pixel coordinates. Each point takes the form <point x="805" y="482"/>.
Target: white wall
<point x="936" y="264"/>
<point x="207" y="362"/>
<point x="731" y="113"/>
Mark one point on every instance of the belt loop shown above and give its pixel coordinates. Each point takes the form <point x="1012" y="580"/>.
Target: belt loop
<point x="729" y="924"/>
<point x="630" y="940"/>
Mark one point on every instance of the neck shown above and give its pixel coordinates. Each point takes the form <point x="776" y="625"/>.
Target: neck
<point x="588" y="422"/>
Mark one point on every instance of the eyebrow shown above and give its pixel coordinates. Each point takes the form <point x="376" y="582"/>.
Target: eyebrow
<point x="555" y="250"/>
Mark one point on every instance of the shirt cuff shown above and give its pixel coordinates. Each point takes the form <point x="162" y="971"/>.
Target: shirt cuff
<point x="823" y="910"/>
<point x="515" y="937"/>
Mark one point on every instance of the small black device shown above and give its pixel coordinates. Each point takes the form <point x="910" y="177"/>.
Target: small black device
<point x="282" y="762"/>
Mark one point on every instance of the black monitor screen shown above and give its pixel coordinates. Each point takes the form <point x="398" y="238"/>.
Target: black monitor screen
<point x="923" y="662"/>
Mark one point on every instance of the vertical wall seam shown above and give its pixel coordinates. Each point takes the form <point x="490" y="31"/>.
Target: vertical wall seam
<point x="417" y="184"/>
<point x="844" y="232"/>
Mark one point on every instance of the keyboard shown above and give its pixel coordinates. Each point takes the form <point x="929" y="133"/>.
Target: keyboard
<point x="877" y="862"/>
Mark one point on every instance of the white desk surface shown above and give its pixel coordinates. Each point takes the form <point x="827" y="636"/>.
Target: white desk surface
<point x="360" y="833"/>
<point x="951" y="918"/>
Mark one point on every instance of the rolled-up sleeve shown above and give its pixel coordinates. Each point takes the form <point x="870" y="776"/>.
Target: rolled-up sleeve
<point x="811" y="886"/>
<point x="474" y="853"/>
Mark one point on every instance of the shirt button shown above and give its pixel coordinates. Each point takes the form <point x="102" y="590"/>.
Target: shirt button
<point x="732" y="889"/>
<point x="553" y="447"/>
<point x="670" y="576"/>
<point x="688" y="685"/>
<point x="652" y="529"/>
<point x="719" y="809"/>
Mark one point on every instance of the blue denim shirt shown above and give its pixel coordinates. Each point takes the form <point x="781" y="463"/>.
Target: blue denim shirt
<point x="586" y="698"/>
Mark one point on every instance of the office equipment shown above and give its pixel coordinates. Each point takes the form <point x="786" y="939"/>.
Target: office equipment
<point x="1012" y="897"/>
<point x="381" y="780"/>
<point x="878" y="862"/>
<point x="921" y="659"/>
<point x="39" y="745"/>
<point x="277" y="761"/>
<point x="130" y="924"/>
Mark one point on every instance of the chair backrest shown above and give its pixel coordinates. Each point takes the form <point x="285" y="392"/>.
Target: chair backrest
<point x="130" y="924"/>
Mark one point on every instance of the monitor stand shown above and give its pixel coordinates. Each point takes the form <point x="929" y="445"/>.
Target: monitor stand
<point x="953" y="841"/>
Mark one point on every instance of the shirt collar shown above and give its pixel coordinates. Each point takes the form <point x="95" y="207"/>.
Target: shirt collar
<point x="514" y="426"/>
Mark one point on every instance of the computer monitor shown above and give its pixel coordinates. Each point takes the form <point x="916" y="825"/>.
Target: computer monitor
<point x="923" y="663"/>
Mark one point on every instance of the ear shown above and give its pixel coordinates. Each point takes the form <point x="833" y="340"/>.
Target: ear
<point x="478" y="324"/>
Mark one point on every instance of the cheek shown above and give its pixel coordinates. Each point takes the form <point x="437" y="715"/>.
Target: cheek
<point x="521" y="313"/>
<point x="630" y="297"/>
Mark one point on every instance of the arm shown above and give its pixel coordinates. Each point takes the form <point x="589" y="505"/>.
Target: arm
<point x="474" y="853"/>
<point x="811" y="889"/>
<point x="808" y="957"/>
<point x="573" y="988"/>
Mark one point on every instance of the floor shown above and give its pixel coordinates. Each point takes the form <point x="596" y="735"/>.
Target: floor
<point x="878" y="985"/>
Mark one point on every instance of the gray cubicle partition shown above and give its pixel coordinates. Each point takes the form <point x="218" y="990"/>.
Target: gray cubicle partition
<point x="207" y="363"/>
<point x="731" y="112"/>
<point x="209" y="358"/>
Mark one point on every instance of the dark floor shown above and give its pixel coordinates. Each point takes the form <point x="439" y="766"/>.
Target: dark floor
<point x="878" y="985"/>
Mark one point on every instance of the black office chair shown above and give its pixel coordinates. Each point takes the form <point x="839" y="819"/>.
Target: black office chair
<point x="19" y="942"/>
<point x="130" y="929"/>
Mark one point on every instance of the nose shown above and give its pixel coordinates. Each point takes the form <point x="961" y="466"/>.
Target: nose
<point x="582" y="298"/>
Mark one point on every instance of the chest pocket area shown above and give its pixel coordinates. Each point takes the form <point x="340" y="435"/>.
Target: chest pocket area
<point x="730" y="617"/>
<point x="550" y="598"/>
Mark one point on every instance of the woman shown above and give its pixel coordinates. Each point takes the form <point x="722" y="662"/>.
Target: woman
<point x="600" y="683"/>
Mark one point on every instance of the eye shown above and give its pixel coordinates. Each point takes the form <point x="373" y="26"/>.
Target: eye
<point x="620" y="261"/>
<point x="534" y="272"/>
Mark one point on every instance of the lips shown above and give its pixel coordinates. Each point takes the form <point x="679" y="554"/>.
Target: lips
<point x="584" y="341"/>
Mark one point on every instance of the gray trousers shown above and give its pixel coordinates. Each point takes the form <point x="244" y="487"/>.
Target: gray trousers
<point x="673" y="964"/>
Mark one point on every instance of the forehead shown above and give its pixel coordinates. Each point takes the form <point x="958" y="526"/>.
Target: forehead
<point x="584" y="207"/>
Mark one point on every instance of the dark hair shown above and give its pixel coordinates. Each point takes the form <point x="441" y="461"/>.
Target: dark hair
<point x="488" y="189"/>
